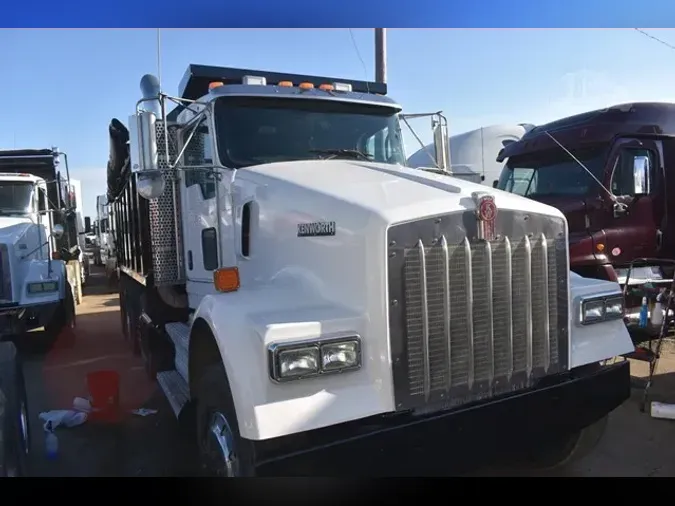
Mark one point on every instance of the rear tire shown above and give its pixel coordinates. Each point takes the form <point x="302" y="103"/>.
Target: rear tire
<point x="15" y="443"/>
<point x="569" y="449"/>
<point x="222" y="451"/>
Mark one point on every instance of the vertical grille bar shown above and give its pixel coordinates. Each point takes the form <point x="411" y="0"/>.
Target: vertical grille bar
<point x="425" y="319"/>
<point x="491" y="336"/>
<point x="545" y="313"/>
<point x="469" y="310"/>
<point x="509" y="304"/>
<point x="528" y="307"/>
<point x="446" y="308"/>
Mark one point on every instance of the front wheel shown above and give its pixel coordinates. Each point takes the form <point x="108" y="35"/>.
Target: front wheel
<point x="569" y="449"/>
<point x="222" y="451"/>
<point x="61" y="327"/>
<point x="15" y="440"/>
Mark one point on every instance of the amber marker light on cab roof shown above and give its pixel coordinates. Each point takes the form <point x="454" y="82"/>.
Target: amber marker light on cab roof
<point x="285" y="84"/>
<point x="215" y="84"/>
<point x="305" y="86"/>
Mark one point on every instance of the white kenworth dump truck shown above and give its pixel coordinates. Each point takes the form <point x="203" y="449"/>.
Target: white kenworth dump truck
<point x="39" y="253"/>
<point x="304" y="299"/>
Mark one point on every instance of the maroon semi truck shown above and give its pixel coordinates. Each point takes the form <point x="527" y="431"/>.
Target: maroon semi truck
<point x="610" y="172"/>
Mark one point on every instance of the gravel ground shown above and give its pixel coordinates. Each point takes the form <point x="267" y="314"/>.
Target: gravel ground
<point x="634" y="445"/>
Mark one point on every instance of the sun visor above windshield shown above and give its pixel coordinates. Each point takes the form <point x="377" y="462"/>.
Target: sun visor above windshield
<point x="524" y="146"/>
<point x="197" y="78"/>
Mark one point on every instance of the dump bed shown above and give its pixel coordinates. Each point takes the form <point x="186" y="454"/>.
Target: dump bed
<point x="129" y="212"/>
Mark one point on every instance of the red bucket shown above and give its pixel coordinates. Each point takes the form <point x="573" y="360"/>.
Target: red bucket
<point x="104" y="395"/>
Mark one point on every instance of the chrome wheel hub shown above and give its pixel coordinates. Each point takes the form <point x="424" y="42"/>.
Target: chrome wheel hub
<point x="220" y="457"/>
<point x="23" y="424"/>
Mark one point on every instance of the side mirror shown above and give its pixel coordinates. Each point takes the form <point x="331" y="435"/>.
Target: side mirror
<point x="58" y="231"/>
<point x="87" y="225"/>
<point x="495" y="183"/>
<point x="641" y="170"/>
<point x="439" y="125"/>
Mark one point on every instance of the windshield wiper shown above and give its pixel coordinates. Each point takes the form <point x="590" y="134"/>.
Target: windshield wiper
<point x="343" y="153"/>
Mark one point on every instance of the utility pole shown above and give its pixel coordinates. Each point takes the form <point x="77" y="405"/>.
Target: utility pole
<point x="380" y="55"/>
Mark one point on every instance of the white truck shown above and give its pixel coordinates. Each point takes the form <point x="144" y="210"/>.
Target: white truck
<point x="80" y="229"/>
<point x="104" y="240"/>
<point x="103" y="234"/>
<point x="39" y="265"/>
<point x="313" y="306"/>
<point x="474" y="152"/>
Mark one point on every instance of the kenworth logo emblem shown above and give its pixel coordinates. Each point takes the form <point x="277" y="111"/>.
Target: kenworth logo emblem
<point x="316" y="229"/>
<point x="486" y="213"/>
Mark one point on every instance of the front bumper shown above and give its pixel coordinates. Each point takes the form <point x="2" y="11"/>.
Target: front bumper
<point x="460" y="440"/>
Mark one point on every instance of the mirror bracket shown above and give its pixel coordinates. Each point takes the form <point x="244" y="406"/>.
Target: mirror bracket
<point x="620" y="209"/>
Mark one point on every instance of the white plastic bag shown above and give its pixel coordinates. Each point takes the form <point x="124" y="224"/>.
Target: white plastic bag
<point x="68" y="417"/>
<point x="65" y="417"/>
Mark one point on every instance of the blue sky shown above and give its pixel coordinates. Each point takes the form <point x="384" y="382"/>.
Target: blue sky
<point x="62" y="87"/>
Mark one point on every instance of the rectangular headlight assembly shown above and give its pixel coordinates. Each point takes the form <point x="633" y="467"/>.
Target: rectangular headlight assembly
<point x="42" y="287"/>
<point x="601" y="309"/>
<point x="306" y="359"/>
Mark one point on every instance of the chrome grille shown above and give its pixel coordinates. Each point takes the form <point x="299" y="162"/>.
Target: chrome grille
<point x="472" y="319"/>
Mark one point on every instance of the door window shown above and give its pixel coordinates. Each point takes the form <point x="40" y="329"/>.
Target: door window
<point x="199" y="153"/>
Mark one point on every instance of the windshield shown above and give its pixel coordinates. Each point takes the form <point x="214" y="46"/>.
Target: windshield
<point x="16" y="197"/>
<point x="552" y="173"/>
<point x="253" y="131"/>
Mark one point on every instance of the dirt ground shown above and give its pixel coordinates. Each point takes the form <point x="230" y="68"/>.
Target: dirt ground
<point x="635" y="444"/>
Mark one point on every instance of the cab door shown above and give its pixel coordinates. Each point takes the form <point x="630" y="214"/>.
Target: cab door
<point x="198" y="200"/>
<point x="634" y="178"/>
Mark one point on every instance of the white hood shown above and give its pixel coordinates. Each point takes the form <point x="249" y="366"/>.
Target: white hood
<point x="395" y="193"/>
<point x="12" y="228"/>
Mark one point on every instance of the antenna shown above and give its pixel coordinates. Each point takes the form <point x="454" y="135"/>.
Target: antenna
<point x="159" y="57"/>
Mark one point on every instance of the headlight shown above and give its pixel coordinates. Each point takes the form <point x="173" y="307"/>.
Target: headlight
<point x="312" y="358"/>
<point x="601" y="309"/>
<point x="46" y="286"/>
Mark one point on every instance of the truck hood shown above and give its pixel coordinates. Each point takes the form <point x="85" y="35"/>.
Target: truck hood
<point x="12" y="228"/>
<point x="396" y="193"/>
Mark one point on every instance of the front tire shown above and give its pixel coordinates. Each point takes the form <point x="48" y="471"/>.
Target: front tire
<point x="15" y="443"/>
<point x="61" y="327"/>
<point x="222" y="451"/>
<point x="569" y="449"/>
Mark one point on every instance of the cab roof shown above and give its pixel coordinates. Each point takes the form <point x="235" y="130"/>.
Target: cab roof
<point x="596" y="127"/>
